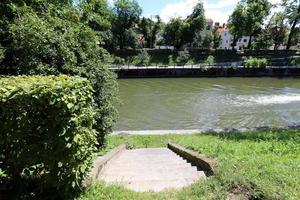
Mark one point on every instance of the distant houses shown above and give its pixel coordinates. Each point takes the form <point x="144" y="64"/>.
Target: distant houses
<point x="227" y="38"/>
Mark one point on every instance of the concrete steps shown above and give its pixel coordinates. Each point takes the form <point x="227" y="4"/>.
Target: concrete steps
<point x="153" y="169"/>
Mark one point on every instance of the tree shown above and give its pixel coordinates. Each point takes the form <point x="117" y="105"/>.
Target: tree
<point x="207" y="41"/>
<point x="277" y="29"/>
<point x="179" y="32"/>
<point x="195" y="23"/>
<point x="255" y="13"/>
<point x="126" y="14"/>
<point x="236" y="23"/>
<point x="216" y="38"/>
<point x="264" y="40"/>
<point x="173" y="32"/>
<point x="97" y="15"/>
<point x="149" y="29"/>
<point x="292" y="11"/>
<point x="156" y="28"/>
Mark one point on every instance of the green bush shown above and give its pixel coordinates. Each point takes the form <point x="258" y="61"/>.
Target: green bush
<point x="295" y="61"/>
<point x="47" y="134"/>
<point x="1" y="53"/>
<point x="256" y="63"/>
<point x="143" y="58"/>
<point x="210" y="60"/>
<point x="183" y="57"/>
<point x="49" y="38"/>
<point x="118" y="60"/>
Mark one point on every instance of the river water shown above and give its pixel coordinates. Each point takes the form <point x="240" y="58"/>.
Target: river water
<point x="208" y="103"/>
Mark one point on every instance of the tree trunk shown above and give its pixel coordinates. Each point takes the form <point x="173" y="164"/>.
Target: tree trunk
<point x="234" y="42"/>
<point x="289" y="43"/>
<point x="250" y="42"/>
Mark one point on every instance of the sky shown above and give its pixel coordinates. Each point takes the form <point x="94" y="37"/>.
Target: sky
<point x="217" y="10"/>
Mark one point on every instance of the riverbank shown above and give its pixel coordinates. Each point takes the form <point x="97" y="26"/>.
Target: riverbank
<point x="198" y="71"/>
<point x="254" y="165"/>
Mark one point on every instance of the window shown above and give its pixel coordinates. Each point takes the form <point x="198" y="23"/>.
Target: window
<point x="245" y="40"/>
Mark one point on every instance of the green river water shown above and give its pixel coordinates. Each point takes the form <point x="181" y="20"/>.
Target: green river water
<point x="208" y="103"/>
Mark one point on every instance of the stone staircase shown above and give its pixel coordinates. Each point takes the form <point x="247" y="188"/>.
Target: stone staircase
<point x="152" y="169"/>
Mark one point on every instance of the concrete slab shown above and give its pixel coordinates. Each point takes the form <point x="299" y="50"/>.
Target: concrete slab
<point x="153" y="169"/>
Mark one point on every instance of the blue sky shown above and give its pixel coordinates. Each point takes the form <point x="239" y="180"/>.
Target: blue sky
<point x="217" y="10"/>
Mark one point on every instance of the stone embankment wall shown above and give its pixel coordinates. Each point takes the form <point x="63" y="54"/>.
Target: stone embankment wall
<point x="208" y="72"/>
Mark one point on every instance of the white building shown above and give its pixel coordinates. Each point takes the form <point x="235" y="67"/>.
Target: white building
<point x="226" y="38"/>
<point x="242" y="43"/>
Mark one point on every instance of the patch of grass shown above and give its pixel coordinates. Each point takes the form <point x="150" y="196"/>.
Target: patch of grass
<point x="265" y="163"/>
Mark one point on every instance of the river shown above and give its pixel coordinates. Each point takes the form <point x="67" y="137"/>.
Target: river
<point x="208" y="103"/>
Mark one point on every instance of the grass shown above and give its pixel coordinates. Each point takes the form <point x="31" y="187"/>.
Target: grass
<point x="264" y="164"/>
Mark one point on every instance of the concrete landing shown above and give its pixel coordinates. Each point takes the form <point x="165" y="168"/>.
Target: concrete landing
<point x="153" y="169"/>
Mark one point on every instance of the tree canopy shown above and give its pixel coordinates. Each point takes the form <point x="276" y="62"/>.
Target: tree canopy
<point x="125" y="15"/>
<point x="292" y="11"/>
<point x="183" y="31"/>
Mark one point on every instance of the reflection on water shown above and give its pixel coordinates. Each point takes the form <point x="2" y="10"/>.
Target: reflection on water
<point x="271" y="99"/>
<point x="196" y="103"/>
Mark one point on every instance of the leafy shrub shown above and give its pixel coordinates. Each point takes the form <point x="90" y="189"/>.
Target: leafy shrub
<point x="54" y="42"/>
<point x="1" y="53"/>
<point x="170" y="60"/>
<point x="256" y="63"/>
<point x="143" y="58"/>
<point x="183" y="56"/>
<point x="118" y="60"/>
<point x="210" y="60"/>
<point x="46" y="133"/>
<point x="295" y="61"/>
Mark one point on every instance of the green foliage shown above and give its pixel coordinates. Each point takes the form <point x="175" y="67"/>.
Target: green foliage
<point x="47" y="134"/>
<point x="173" y="32"/>
<point x="118" y="60"/>
<point x="255" y="13"/>
<point x="295" y="61"/>
<point x="149" y="29"/>
<point x="97" y="15"/>
<point x="277" y="29"/>
<point x="216" y="38"/>
<point x="143" y="58"/>
<point x="248" y="18"/>
<point x="183" y="56"/>
<point x="207" y="41"/>
<point x="171" y="60"/>
<point x="51" y="39"/>
<point x="256" y="63"/>
<point x="263" y="41"/>
<point x="196" y="22"/>
<point x="1" y="54"/>
<point x="125" y="16"/>
<point x="292" y="11"/>
<point x="179" y="32"/>
<point x="236" y="23"/>
<point x="210" y="60"/>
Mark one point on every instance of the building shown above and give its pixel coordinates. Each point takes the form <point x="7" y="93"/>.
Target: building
<point x="243" y="42"/>
<point x="226" y="38"/>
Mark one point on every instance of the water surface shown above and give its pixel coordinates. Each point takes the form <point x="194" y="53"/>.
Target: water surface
<point x="204" y="103"/>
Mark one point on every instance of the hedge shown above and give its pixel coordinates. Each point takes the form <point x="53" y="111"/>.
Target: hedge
<point x="46" y="137"/>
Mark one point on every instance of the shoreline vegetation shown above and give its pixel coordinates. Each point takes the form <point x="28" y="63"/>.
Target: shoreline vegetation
<point x="193" y="56"/>
<point x="252" y="165"/>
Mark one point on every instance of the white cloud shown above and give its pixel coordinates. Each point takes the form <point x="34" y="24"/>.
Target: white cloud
<point x="214" y="11"/>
